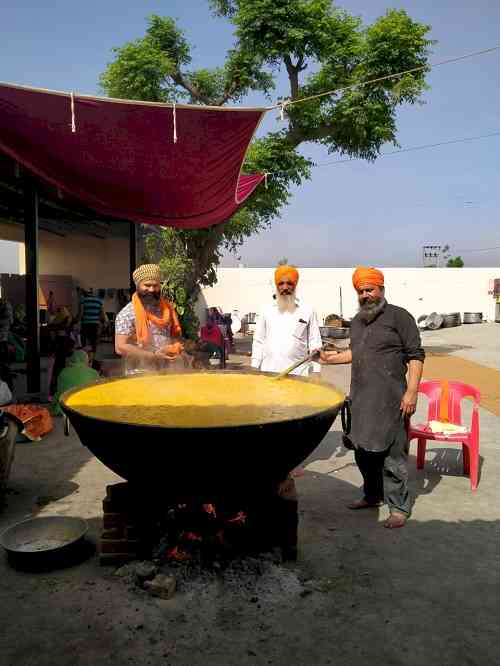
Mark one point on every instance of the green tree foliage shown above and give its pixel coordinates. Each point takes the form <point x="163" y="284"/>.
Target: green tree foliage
<point x="320" y="47"/>
<point x="455" y="262"/>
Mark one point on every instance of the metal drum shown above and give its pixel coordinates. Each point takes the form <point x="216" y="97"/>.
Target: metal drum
<point x="452" y="319"/>
<point x="473" y="317"/>
<point x="334" y="332"/>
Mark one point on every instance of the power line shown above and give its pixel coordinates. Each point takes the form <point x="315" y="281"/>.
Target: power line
<point x="464" y="139"/>
<point x="282" y="105"/>
<point x="481" y="249"/>
<point x="414" y="148"/>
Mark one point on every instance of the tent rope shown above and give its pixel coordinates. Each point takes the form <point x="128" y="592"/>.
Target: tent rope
<point x="73" y="120"/>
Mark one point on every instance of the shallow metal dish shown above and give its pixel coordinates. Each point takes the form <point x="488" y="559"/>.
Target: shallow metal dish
<point x="44" y="535"/>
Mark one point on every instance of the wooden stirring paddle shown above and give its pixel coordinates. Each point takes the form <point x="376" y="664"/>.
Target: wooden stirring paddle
<point x="295" y="365"/>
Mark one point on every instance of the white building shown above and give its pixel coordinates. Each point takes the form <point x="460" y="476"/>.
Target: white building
<point x="329" y="290"/>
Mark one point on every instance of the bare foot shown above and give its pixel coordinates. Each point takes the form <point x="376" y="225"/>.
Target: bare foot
<point x="363" y="504"/>
<point x="395" y="520"/>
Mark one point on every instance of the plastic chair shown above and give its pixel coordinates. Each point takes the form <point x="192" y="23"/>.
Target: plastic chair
<point x="469" y="440"/>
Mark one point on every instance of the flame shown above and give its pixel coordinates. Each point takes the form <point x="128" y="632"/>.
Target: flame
<point x="210" y="509"/>
<point x="239" y="518"/>
<point x="178" y="555"/>
<point x="190" y="536"/>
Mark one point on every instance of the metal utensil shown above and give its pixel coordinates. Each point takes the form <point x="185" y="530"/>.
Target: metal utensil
<point x="295" y="365"/>
<point x="45" y="541"/>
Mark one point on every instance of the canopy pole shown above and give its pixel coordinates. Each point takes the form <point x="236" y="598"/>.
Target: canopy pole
<point x="133" y="253"/>
<point x="31" y="283"/>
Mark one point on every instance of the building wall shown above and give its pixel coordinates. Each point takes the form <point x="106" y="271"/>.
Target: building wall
<point x="92" y="262"/>
<point x="419" y="290"/>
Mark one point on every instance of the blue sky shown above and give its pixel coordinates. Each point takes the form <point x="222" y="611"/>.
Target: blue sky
<point x="379" y="213"/>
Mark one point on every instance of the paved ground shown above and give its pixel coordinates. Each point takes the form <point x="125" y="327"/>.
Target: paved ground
<point x="359" y="594"/>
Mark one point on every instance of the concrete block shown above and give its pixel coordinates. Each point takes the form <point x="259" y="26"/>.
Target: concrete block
<point x="161" y="586"/>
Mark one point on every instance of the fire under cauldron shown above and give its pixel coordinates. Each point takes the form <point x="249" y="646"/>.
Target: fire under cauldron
<point x="204" y="461"/>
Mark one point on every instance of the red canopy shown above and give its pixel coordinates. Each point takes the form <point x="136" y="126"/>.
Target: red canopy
<point x="120" y="157"/>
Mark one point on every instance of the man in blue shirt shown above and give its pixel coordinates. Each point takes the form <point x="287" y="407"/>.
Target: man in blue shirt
<point x="91" y="316"/>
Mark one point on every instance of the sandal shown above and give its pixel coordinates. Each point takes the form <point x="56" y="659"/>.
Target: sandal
<point x="395" y="520"/>
<point x="363" y="504"/>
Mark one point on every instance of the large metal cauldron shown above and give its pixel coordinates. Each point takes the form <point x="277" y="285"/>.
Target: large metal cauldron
<point x="204" y="462"/>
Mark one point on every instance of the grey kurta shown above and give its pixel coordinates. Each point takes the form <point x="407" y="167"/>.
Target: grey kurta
<point x="381" y="351"/>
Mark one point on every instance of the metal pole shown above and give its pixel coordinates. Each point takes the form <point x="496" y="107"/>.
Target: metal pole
<point x="31" y="283"/>
<point x="341" y="309"/>
<point x="133" y="252"/>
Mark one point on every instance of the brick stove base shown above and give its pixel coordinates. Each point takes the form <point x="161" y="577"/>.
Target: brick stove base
<point x="131" y="516"/>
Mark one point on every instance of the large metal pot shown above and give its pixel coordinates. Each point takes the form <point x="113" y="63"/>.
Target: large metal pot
<point x="473" y="317"/>
<point x="203" y="461"/>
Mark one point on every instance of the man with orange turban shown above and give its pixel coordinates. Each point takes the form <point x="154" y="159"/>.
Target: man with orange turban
<point x="146" y="328"/>
<point x="385" y="347"/>
<point x="287" y="330"/>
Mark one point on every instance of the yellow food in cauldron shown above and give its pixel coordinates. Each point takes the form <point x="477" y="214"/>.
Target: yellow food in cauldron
<point x="201" y="400"/>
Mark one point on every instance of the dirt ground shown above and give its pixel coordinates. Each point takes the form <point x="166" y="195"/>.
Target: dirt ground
<point x="358" y="594"/>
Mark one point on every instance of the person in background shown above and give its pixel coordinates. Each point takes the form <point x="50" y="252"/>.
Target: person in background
<point x="76" y="373"/>
<point x="287" y="330"/>
<point x="385" y="345"/>
<point x="147" y="329"/>
<point x="19" y="325"/>
<point x="211" y="338"/>
<point x="51" y="305"/>
<point x="6" y="321"/>
<point x="228" y="320"/>
<point x="59" y="328"/>
<point x="91" y="316"/>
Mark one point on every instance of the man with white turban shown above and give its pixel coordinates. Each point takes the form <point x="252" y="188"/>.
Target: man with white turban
<point x="287" y="330"/>
<point x="385" y="345"/>
<point x="146" y="328"/>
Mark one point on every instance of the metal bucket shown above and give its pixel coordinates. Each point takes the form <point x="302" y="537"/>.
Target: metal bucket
<point x="473" y="317"/>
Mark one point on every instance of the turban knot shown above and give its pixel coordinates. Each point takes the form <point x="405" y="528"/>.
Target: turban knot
<point x="367" y="275"/>
<point x="146" y="272"/>
<point x="289" y="272"/>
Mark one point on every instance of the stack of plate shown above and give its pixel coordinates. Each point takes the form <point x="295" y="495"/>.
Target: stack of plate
<point x="430" y="322"/>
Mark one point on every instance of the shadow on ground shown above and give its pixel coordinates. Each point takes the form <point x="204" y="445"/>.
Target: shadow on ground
<point x="42" y="473"/>
<point x="359" y="593"/>
<point x="443" y="350"/>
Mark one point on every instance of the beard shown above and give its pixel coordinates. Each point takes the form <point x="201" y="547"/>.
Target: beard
<point x="286" y="302"/>
<point x="368" y="311"/>
<point x="150" y="298"/>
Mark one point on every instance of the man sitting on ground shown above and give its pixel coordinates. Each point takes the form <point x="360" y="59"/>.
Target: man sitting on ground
<point x="76" y="373"/>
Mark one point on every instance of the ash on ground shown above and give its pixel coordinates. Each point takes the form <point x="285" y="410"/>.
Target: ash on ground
<point x="256" y="579"/>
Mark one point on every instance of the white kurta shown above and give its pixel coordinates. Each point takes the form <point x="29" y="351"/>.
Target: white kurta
<point x="281" y="338"/>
